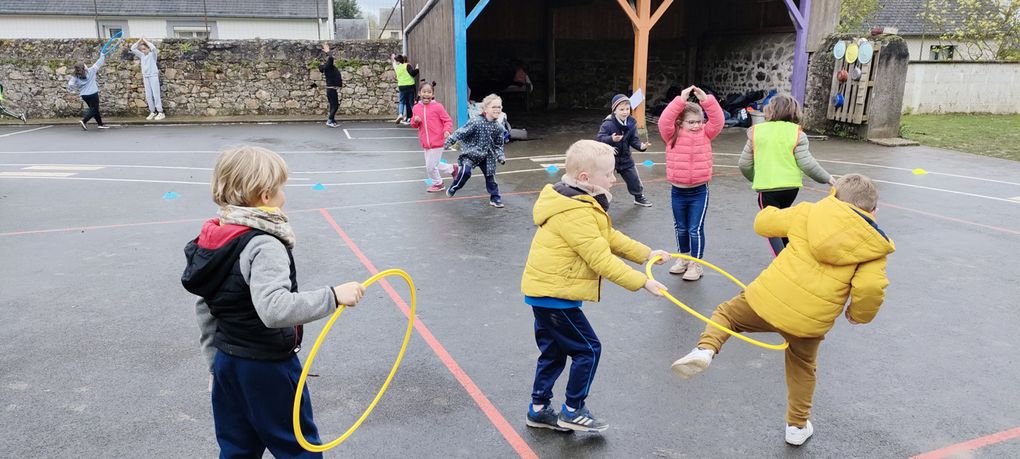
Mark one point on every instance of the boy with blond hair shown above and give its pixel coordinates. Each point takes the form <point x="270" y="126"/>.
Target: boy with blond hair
<point x="836" y="252"/>
<point x="574" y="248"/>
<point x="249" y="309"/>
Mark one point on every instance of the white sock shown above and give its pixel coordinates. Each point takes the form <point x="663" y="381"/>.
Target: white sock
<point x="537" y="408"/>
<point x="570" y="409"/>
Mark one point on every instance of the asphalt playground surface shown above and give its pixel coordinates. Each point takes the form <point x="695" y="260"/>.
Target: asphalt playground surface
<point x="99" y="352"/>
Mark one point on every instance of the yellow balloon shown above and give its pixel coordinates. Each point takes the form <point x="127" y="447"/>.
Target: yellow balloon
<point x="852" y="51"/>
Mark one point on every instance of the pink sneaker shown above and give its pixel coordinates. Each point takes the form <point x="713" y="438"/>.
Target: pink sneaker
<point x="436" y="188"/>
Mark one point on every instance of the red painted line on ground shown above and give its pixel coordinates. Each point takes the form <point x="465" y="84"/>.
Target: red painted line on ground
<point x="882" y="204"/>
<point x="497" y="419"/>
<point x="971" y="444"/>
<point x="90" y="228"/>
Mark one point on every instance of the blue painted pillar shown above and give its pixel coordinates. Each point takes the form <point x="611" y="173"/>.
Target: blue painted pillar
<point x="460" y="59"/>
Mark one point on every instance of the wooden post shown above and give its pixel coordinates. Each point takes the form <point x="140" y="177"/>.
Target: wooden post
<point x="643" y="21"/>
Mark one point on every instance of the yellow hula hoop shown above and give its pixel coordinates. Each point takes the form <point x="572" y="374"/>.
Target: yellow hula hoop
<point x="315" y="348"/>
<point x="648" y="271"/>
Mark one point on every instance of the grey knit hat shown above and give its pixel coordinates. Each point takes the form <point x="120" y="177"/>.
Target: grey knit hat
<point x="617" y="100"/>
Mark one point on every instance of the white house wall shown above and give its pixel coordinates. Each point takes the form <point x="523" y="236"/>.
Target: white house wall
<point x="148" y="28"/>
<point x="235" y="29"/>
<point x="47" y="27"/>
<point x="920" y="50"/>
<point x="962" y="87"/>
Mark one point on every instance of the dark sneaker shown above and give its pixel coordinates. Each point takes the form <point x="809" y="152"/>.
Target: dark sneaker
<point x="642" y="201"/>
<point x="545" y="419"/>
<point x="83" y="127"/>
<point x="581" y="420"/>
<point x="496" y="202"/>
<point x="450" y="192"/>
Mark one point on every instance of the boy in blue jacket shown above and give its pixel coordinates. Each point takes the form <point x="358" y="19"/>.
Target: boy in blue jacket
<point x="619" y="129"/>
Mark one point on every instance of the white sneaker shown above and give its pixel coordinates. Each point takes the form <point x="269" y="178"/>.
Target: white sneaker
<point x="679" y="267"/>
<point x="694" y="271"/>
<point x="691" y="364"/>
<point x="160" y="116"/>
<point x="151" y="116"/>
<point x="796" y="436"/>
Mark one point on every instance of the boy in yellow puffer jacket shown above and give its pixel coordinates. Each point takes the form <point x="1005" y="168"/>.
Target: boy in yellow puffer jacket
<point x="836" y="251"/>
<point x="574" y="248"/>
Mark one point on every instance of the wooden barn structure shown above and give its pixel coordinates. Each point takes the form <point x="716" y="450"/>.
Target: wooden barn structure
<point x="576" y="51"/>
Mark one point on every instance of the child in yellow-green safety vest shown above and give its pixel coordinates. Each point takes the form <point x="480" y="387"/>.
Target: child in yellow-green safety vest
<point x="406" y="84"/>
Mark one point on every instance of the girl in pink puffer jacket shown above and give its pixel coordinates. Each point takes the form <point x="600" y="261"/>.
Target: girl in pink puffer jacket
<point x="434" y="126"/>
<point x="688" y="139"/>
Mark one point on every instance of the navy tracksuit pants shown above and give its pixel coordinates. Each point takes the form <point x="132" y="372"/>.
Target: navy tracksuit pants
<point x="562" y="333"/>
<point x="252" y="402"/>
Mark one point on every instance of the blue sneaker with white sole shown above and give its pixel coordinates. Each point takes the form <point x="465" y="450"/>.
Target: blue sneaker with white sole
<point x="544" y="419"/>
<point x="580" y="420"/>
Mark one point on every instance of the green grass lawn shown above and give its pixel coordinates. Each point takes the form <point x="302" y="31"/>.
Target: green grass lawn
<point x="989" y="135"/>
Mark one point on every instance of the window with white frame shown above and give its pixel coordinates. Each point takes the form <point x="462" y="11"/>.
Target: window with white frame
<point x="111" y="28"/>
<point x="191" y="32"/>
<point x="394" y="34"/>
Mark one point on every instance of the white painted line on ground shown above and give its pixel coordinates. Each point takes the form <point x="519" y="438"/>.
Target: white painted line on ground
<point x="25" y="131"/>
<point x="969" y="177"/>
<point x="37" y="174"/>
<point x="58" y="167"/>
<point x="974" y="195"/>
<point x="1015" y="198"/>
<point x="98" y="179"/>
<point x="561" y="165"/>
<point x="348" y="134"/>
<point x="101" y="166"/>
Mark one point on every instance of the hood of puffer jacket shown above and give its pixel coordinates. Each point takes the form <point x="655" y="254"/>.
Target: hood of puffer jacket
<point x="551" y="202"/>
<point x="841" y="234"/>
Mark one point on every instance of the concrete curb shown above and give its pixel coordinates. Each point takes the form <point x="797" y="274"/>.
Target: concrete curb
<point x="201" y="120"/>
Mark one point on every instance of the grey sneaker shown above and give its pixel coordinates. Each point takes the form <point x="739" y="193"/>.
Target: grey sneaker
<point x="544" y="419"/>
<point x="496" y="202"/>
<point x="642" y="201"/>
<point x="83" y="126"/>
<point x="694" y="271"/>
<point x="679" y="267"/>
<point x="581" y="420"/>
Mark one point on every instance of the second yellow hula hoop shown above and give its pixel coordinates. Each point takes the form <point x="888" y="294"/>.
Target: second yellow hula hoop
<point x="311" y="357"/>
<point x="648" y="271"/>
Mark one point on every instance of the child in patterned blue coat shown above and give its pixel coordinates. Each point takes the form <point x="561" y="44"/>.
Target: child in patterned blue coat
<point x="481" y="142"/>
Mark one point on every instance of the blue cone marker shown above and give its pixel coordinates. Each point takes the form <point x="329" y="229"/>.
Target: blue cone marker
<point x="648" y="163"/>
<point x="552" y="169"/>
<point x="442" y="160"/>
<point x="171" y="195"/>
<point x="319" y="186"/>
<point x="428" y="181"/>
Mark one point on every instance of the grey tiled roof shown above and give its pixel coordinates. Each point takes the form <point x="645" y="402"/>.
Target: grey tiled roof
<point x="283" y="9"/>
<point x="906" y="15"/>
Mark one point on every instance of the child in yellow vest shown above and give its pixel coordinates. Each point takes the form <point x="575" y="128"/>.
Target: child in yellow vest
<point x="574" y="248"/>
<point x="774" y="157"/>
<point x="836" y="252"/>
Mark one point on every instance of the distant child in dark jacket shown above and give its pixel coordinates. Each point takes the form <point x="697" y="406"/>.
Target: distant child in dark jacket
<point x="334" y="81"/>
<point x="619" y="129"/>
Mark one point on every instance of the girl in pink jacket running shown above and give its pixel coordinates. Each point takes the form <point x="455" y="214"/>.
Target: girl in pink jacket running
<point x="688" y="139"/>
<point x="434" y="126"/>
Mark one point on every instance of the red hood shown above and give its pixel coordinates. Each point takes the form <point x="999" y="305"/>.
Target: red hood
<point x="214" y="235"/>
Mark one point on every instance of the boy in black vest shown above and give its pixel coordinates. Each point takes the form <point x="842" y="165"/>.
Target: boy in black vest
<point x="249" y="308"/>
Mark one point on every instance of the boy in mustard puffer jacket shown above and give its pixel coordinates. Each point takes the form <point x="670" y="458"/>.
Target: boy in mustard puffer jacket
<point x="836" y="251"/>
<point x="574" y="248"/>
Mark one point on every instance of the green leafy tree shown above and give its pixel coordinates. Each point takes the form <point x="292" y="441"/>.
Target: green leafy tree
<point x="981" y="29"/>
<point x="854" y="14"/>
<point x="346" y="9"/>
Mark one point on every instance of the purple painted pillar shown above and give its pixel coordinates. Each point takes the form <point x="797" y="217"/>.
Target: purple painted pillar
<point x="801" y="18"/>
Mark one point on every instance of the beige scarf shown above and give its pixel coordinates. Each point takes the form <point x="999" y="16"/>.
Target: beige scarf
<point x="269" y="219"/>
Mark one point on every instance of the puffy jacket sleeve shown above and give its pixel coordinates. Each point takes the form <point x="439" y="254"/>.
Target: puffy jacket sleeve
<point x="867" y="290"/>
<point x="580" y="231"/>
<point x="715" y="116"/>
<point x="605" y="134"/>
<point x="416" y="113"/>
<point x="667" y="122"/>
<point x="746" y="161"/>
<point x="623" y="246"/>
<point x="265" y="265"/>
<point x="775" y="222"/>
<point x="807" y="163"/>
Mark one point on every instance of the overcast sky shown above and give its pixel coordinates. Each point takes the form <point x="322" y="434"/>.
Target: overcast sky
<point x="371" y="7"/>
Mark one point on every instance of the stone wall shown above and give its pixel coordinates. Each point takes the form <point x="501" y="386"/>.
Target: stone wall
<point x="202" y="78"/>
<point x="742" y="63"/>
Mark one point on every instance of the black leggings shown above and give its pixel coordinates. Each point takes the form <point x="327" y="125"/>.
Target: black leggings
<point x="92" y="100"/>
<point x="407" y="100"/>
<point x="781" y="199"/>
<point x="334" y="102"/>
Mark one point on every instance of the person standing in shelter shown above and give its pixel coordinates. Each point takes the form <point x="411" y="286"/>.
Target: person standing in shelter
<point x="406" y="82"/>
<point x="481" y="141"/>
<point x="434" y="126"/>
<point x="85" y="81"/>
<point x="619" y="129"/>
<point x="334" y="81"/>
<point x="775" y="156"/>
<point x="147" y="57"/>
<point x="688" y="141"/>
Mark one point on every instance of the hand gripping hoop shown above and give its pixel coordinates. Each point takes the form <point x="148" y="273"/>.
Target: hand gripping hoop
<point x="311" y="357"/>
<point x="648" y="271"/>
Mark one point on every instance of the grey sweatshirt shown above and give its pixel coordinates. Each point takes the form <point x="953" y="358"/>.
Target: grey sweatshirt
<point x="801" y="152"/>
<point x="148" y="61"/>
<point x="265" y="266"/>
<point x="89" y="85"/>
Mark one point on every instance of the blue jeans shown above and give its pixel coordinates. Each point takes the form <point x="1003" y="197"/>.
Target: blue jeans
<point x="252" y="402"/>
<point x="562" y="333"/>
<point x="689" y="208"/>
